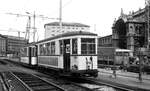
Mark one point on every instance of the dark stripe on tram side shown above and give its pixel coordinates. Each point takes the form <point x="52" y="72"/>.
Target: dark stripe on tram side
<point x="28" y="56"/>
<point x="85" y="55"/>
<point x="49" y="55"/>
<point x="71" y="55"/>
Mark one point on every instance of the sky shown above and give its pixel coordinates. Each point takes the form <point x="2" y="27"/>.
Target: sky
<point x="98" y="14"/>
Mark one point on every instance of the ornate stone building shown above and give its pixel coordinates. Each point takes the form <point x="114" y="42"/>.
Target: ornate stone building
<point x="131" y="31"/>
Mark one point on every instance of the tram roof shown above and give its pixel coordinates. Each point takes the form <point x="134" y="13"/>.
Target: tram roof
<point x="74" y="33"/>
<point x="66" y="24"/>
<point x="30" y="44"/>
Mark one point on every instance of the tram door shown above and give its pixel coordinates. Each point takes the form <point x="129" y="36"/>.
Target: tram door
<point x="66" y="55"/>
<point x="29" y="55"/>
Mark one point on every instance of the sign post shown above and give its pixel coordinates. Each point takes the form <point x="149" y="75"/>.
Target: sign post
<point x="114" y="68"/>
<point x="140" y="64"/>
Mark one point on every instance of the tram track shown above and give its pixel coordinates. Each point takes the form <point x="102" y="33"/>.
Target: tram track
<point x="64" y="82"/>
<point x="36" y="83"/>
<point x="23" y="80"/>
<point x="28" y="82"/>
<point x="87" y="84"/>
<point x="90" y="84"/>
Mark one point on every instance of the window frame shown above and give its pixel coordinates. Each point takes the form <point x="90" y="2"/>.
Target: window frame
<point x="87" y="42"/>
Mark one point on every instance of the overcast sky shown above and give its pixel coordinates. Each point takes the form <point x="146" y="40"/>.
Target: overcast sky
<point x="98" y="13"/>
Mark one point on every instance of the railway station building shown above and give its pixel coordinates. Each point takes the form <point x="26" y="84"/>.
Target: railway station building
<point x="131" y="31"/>
<point x="53" y="28"/>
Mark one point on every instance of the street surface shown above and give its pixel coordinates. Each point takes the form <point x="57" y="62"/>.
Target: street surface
<point x="125" y="78"/>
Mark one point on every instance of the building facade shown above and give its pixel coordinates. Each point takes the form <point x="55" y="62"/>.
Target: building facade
<point x="10" y="45"/>
<point x="130" y="31"/>
<point x="3" y="45"/>
<point x="14" y="44"/>
<point x="105" y="41"/>
<point x="53" y="28"/>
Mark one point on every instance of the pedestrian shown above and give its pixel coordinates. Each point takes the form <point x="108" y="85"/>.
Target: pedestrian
<point x="114" y="73"/>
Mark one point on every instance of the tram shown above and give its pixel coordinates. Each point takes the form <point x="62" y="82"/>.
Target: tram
<point x="72" y="53"/>
<point x="108" y="56"/>
<point x="29" y="54"/>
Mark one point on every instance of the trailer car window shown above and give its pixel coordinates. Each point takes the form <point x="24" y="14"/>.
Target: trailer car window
<point x="48" y="50"/>
<point x="61" y="46"/>
<point x="42" y="49"/>
<point x="23" y="52"/>
<point x="52" y="47"/>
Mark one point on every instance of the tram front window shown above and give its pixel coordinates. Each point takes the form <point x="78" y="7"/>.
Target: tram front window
<point x="88" y="46"/>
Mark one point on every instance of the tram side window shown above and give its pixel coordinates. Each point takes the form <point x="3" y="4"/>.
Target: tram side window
<point x="88" y="46"/>
<point x="74" y="46"/>
<point x="23" y="52"/>
<point x="52" y="47"/>
<point x="48" y="48"/>
<point x="42" y="49"/>
<point x="33" y="51"/>
<point x="61" y="46"/>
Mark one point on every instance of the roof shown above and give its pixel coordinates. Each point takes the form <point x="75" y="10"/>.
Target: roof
<point x="14" y="37"/>
<point x="139" y="12"/>
<point x="74" y="33"/>
<point x="66" y="24"/>
<point x="30" y="44"/>
<point x="2" y="36"/>
<point x="107" y="36"/>
<point x="110" y="50"/>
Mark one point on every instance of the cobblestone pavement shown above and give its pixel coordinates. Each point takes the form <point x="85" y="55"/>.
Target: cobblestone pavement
<point x="126" y="78"/>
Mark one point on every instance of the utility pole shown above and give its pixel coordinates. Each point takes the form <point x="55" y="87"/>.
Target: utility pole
<point x="148" y="25"/>
<point x="34" y="28"/>
<point x="60" y="14"/>
<point x="28" y="28"/>
<point x="60" y="23"/>
<point x="147" y="5"/>
<point x="27" y="36"/>
<point x="140" y="64"/>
